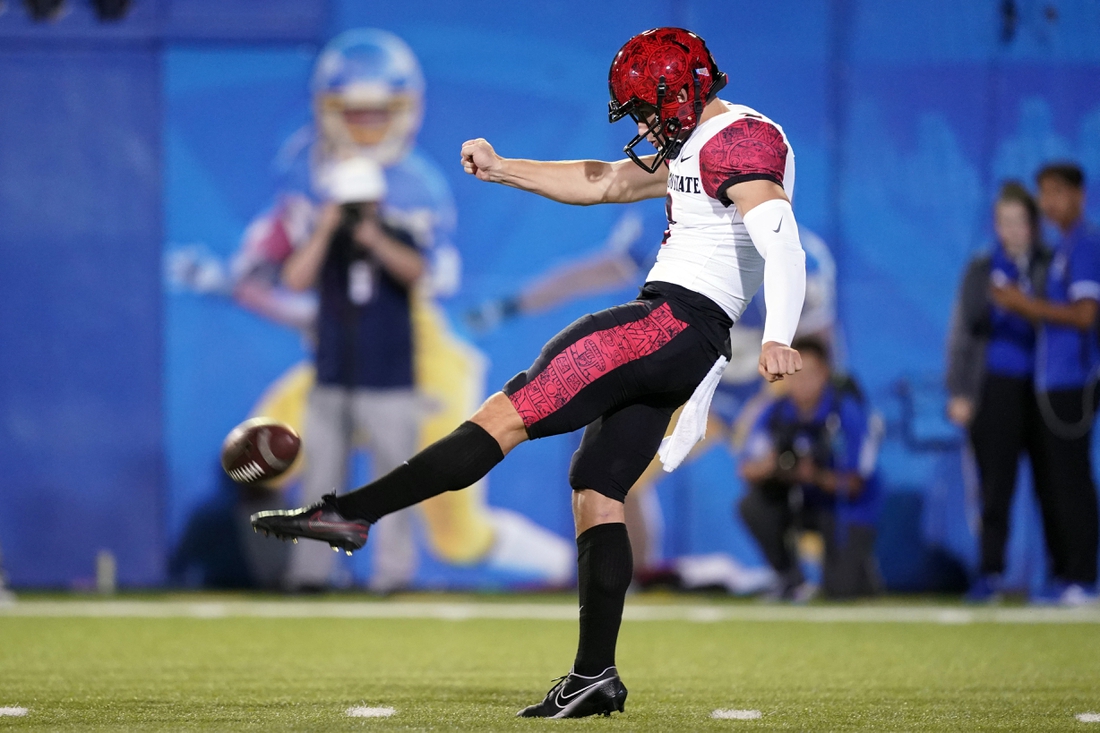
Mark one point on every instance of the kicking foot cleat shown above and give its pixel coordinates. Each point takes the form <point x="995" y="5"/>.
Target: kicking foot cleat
<point x="577" y="696"/>
<point x="321" y="521"/>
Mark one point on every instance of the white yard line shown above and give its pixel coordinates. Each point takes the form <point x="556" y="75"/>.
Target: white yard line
<point x="369" y="712"/>
<point x="14" y="712"/>
<point x="463" y="610"/>
<point x="736" y="714"/>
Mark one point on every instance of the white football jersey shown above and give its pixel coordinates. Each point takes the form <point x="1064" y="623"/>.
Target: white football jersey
<point x="707" y="247"/>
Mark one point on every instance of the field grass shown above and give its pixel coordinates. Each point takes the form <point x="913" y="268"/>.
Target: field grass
<point x="279" y="665"/>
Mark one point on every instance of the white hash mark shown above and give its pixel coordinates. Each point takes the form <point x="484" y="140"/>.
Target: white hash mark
<point x="16" y="712"/>
<point x="370" y="712"/>
<point x="736" y="714"/>
<point x="1089" y="717"/>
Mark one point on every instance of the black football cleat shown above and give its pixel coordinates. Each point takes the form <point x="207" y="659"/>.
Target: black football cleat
<point x="577" y="696"/>
<point x="321" y="521"/>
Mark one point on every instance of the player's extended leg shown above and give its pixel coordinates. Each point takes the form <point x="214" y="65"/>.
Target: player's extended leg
<point x="598" y="364"/>
<point x="450" y="464"/>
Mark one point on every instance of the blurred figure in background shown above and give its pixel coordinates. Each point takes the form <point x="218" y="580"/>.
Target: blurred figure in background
<point x="368" y="101"/>
<point x="364" y="267"/>
<point x="809" y="461"/>
<point x="990" y="379"/>
<point x="1067" y="360"/>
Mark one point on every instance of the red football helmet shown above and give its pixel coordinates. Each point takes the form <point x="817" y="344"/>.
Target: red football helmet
<point x="646" y="79"/>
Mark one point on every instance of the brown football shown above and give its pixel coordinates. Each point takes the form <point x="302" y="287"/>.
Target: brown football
<point x="259" y="449"/>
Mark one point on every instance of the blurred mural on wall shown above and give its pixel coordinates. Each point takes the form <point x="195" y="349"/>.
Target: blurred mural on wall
<point x="157" y="136"/>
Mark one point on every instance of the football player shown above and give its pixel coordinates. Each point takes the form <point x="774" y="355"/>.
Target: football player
<point x="629" y="251"/>
<point x="726" y="173"/>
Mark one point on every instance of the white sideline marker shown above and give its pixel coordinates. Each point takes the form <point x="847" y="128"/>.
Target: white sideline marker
<point x="15" y="712"/>
<point x="1089" y="717"/>
<point x="736" y="714"/>
<point x="370" y="712"/>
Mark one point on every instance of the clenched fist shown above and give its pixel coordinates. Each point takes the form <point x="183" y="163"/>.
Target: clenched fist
<point x="479" y="159"/>
<point x="777" y="361"/>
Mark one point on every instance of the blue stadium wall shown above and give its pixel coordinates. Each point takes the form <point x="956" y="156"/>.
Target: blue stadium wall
<point x="121" y="141"/>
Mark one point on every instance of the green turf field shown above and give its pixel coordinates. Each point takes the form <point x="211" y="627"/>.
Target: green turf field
<point x="233" y="663"/>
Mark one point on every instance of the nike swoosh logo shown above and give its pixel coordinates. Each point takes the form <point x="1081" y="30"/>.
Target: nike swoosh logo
<point x="562" y="696"/>
<point x="776" y="230"/>
<point x="320" y="524"/>
<point x="687" y="157"/>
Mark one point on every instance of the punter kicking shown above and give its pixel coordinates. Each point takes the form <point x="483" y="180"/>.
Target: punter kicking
<point x="726" y="173"/>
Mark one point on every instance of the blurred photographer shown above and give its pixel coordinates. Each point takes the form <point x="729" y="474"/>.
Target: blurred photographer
<point x="809" y="464"/>
<point x="364" y="269"/>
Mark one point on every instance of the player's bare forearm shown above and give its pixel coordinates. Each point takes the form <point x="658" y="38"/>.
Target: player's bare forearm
<point x="578" y="182"/>
<point x="583" y="182"/>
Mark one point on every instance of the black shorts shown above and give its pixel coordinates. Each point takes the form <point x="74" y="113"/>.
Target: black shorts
<point x="621" y="372"/>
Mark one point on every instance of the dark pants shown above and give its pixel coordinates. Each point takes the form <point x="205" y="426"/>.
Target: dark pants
<point x="1068" y="468"/>
<point x="849" y="568"/>
<point x="1008" y="423"/>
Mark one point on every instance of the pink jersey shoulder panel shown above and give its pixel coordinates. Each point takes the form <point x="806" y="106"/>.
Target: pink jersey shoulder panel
<point x="744" y="150"/>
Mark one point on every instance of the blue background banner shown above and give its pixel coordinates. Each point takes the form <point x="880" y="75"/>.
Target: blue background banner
<point x="128" y="143"/>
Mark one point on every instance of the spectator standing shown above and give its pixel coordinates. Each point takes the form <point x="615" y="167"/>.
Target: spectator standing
<point x="364" y="269"/>
<point x="1067" y="357"/>
<point x="990" y="379"/>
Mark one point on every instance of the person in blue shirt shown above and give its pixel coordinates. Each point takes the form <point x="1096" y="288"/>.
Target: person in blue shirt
<point x="364" y="267"/>
<point x="1067" y="357"/>
<point x="809" y="462"/>
<point x="990" y="376"/>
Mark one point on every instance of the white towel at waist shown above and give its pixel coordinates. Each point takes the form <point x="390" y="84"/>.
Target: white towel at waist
<point x="692" y="425"/>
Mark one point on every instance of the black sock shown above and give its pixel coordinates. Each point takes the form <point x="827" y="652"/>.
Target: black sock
<point x="449" y="464"/>
<point x="605" y="566"/>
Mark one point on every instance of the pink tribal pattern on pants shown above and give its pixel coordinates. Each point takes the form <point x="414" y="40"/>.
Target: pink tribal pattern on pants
<point x="591" y="357"/>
